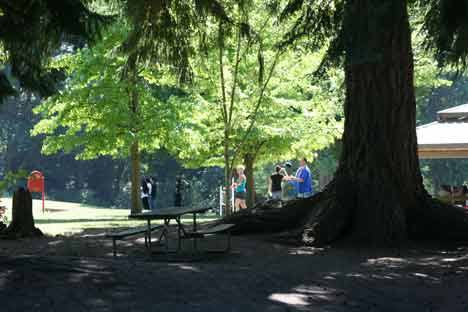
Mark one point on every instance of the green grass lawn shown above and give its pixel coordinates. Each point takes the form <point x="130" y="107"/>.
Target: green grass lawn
<point x="65" y="218"/>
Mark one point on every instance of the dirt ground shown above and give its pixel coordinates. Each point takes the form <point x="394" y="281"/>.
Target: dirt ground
<point x="78" y="273"/>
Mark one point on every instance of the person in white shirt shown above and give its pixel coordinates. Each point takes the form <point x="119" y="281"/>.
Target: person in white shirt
<point x="145" y="193"/>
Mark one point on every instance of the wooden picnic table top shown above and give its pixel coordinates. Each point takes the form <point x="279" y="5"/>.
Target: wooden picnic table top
<point x="168" y="212"/>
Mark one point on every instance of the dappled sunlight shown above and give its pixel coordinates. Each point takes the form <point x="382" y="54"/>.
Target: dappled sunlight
<point x="97" y="235"/>
<point x="186" y="267"/>
<point x="331" y="276"/>
<point x="389" y="262"/>
<point x="290" y="298"/>
<point x="310" y="251"/>
<point x="446" y="262"/>
<point x="305" y="295"/>
<point x="455" y="259"/>
<point x="55" y="243"/>
<point x="424" y="276"/>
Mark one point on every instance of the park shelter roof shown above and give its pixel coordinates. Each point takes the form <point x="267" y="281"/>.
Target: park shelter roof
<point x="447" y="137"/>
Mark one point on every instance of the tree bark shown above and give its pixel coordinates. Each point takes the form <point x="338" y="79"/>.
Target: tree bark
<point x="227" y="179"/>
<point x="377" y="196"/>
<point x="135" y="178"/>
<point x="249" y="161"/>
<point x="378" y="179"/>
<point x="134" y="148"/>
<point x="22" y="223"/>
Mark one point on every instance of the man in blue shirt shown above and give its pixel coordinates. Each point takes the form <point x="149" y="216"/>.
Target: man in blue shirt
<point x="303" y="180"/>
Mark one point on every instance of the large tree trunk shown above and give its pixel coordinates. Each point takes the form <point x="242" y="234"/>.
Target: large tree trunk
<point x="22" y="223"/>
<point x="378" y="180"/>
<point x="249" y="160"/>
<point x="377" y="196"/>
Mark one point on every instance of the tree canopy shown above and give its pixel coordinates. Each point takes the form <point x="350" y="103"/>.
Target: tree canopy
<point x="91" y="113"/>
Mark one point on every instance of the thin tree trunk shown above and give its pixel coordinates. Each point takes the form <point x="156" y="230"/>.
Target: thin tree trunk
<point x="249" y="161"/>
<point x="227" y="179"/>
<point x="22" y="223"/>
<point x="134" y="148"/>
<point x="135" y="178"/>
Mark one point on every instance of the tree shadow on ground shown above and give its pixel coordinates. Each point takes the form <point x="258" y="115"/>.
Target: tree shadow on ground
<point x="78" y="273"/>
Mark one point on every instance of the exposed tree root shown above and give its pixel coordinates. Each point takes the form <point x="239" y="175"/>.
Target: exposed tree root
<point x="321" y="220"/>
<point x="15" y="233"/>
<point x="435" y="220"/>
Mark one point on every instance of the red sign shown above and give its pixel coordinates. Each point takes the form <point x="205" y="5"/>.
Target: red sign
<point x="36" y="184"/>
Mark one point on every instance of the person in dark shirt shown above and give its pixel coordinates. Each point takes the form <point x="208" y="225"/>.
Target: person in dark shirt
<point x="152" y="195"/>
<point x="180" y="186"/>
<point x="274" y="185"/>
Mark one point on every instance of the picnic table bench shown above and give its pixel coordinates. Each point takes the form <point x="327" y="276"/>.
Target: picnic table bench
<point x="213" y="230"/>
<point x="127" y="233"/>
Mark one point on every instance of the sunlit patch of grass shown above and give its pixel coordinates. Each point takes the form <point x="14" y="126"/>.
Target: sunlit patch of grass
<point x="65" y="218"/>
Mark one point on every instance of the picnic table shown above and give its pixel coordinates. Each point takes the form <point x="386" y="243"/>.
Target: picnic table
<point x="168" y="214"/>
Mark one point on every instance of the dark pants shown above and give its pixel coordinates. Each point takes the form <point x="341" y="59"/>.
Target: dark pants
<point x="145" y="202"/>
<point x="152" y="203"/>
<point x="178" y="200"/>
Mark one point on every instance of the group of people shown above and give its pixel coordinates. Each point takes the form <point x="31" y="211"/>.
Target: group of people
<point x="281" y="184"/>
<point x="148" y="190"/>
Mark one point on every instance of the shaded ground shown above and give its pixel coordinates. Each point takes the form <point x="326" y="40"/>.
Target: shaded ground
<point x="78" y="274"/>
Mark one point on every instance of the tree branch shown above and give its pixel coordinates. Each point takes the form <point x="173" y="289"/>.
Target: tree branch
<point x="258" y="104"/>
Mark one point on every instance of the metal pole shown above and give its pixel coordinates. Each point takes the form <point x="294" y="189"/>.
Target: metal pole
<point x="43" y="194"/>
<point x="195" y="231"/>
<point x="179" y="234"/>
<point x="232" y="198"/>
<point x="221" y="200"/>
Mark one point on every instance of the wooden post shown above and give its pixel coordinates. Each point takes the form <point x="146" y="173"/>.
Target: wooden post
<point x="43" y="200"/>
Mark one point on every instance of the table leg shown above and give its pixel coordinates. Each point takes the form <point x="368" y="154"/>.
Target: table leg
<point x="195" y="247"/>
<point x="149" y="233"/>
<point x="166" y="232"/>
<point x="179" y="229"/>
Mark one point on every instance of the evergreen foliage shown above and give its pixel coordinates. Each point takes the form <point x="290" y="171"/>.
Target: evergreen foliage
<point x="33" y="31"/>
